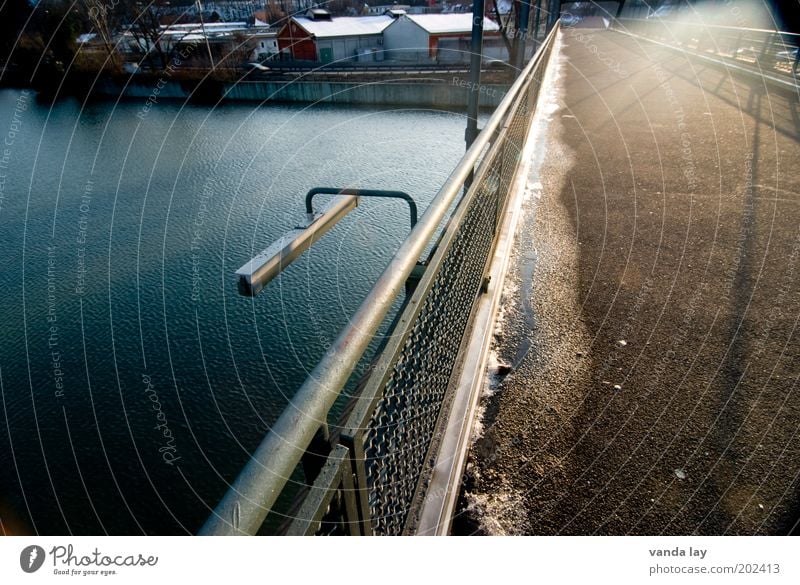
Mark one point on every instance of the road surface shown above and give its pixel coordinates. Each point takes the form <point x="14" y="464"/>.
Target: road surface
<point x="651" y="314"/>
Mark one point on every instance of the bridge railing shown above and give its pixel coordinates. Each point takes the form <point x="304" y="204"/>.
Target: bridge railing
<point x="368" y="474"/>
<point x="767" y="51"/>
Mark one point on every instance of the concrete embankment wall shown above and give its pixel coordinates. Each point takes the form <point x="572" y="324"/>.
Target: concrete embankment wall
<point x="451" y="94"/>
<point x="371" y="93"/>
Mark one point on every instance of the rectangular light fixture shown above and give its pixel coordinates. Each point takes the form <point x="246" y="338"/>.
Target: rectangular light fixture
<point x="258" y="272"/>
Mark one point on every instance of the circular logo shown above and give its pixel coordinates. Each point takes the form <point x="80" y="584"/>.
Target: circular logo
<point x="31" y="558"/>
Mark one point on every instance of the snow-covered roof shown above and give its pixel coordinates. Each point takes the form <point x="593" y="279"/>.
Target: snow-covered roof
<point x="450" y="23"/>
<point x="347" y="26"/>
<point x="86" y="37"/>
<point x="207" y="25"/>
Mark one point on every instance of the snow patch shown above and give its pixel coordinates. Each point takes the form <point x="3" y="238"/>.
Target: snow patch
<point x="503" y="512"/>
<point x="535" y="150"/>
<point x="499" y="514"/>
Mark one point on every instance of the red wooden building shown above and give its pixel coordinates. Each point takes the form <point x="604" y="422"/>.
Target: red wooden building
<point x="319" y="37"/>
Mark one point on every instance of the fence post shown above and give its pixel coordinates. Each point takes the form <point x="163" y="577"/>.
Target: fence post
<point x="476" y="49"/>
<point x="357" y="466"/>
<point x="765" y="50"/>
<point x="796" y="60"/>
<point x="521" y="32"/>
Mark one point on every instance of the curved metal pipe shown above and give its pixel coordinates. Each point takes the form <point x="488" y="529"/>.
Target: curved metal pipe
<point x="363" y="193"/>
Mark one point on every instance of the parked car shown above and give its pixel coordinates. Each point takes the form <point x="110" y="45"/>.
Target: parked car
<point x="568" y="19"/>
<point x="496" y="65"/>
<point x="258" y="67"/>
<point x="790" y="55"/>
<point x="661" y="12"/>
<point x="748" y="53"/>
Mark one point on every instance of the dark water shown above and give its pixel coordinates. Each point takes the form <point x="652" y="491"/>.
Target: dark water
<point x="135" y="381"/>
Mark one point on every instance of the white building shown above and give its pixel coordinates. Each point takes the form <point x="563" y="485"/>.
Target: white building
<point x="320" y="37"/>
<point x="265" y="42"/>
<point x="383" y="8"/>
<point x="439" y="38"/>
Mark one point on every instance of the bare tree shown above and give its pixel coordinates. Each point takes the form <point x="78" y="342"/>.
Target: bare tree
<point x="145" y="28"/>
<point x="105" y="21"/>
<point x="241" y="49"/>
<point x="504" y="29"/>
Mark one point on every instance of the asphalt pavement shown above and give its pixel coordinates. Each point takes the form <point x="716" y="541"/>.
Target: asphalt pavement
<point x="650" y="324"/>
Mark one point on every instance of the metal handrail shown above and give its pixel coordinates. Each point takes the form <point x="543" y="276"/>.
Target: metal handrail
<point x="666" y="22"/>
<point x="249" y="499"/>
<point x="770" y="50"/>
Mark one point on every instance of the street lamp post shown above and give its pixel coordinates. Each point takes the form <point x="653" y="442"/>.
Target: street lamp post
<point x="521" y="33"/>
<point x="203" y="28"/>
<point x="476" y="50"/>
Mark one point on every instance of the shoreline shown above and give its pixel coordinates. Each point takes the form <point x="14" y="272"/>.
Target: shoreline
<point x="446" y="90"/>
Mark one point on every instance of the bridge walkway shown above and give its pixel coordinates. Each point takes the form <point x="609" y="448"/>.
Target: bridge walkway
<point x="651" y="314"/>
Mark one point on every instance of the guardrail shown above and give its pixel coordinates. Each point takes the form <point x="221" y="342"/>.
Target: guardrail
<point x="313" y="67"/>
<point x="368" y="476"/>
<point x="771" y="51"/>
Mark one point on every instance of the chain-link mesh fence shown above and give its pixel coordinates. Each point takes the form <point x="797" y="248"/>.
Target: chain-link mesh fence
<point x="376" y="464"/>
<point x="404" y="423"/>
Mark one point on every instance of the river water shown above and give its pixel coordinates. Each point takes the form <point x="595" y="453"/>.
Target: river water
<point x="135" y="380"/>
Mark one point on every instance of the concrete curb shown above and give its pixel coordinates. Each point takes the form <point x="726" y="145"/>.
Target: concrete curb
<point x="438" y="509"/>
